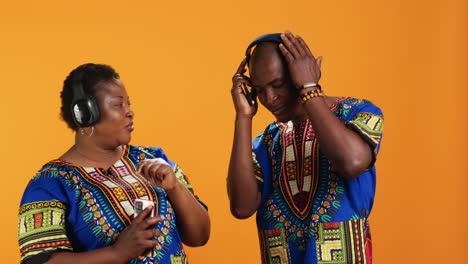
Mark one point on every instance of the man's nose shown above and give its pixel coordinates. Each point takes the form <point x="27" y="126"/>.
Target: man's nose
<point x="271" y="96"/>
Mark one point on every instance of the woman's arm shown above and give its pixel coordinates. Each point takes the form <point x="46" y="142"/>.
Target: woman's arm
<point x="192" y="218"/>
<point x="106" y="255"/>
<point x="131" y="243"/>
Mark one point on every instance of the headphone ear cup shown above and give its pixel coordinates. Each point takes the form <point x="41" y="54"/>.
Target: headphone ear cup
<point x="93" y="110"/>
<point x="85" y="112"/>
<point x="80" y="113"/>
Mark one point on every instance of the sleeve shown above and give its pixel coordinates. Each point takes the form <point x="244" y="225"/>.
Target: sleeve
<point x="368" y="122"/>
<point x="159" y="153"/>
<point x="256" y="164"/>
<point x="42" y="219"/>
<point x="262" y="163"/>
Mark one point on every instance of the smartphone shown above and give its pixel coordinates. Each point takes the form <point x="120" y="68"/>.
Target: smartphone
<point x="139" y="206"/>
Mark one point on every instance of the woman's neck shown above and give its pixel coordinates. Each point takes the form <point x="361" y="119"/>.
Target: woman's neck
<point x="86" y="153"/>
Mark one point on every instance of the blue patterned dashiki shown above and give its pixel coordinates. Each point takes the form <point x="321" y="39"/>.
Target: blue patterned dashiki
<point x="78" y="209"/>
<point x="309" y="214"/>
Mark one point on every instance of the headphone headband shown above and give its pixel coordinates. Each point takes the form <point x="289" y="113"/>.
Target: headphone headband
<point x="77" y="87"/>
<point x="275" y="38"/>
<point x="84" y="108"/>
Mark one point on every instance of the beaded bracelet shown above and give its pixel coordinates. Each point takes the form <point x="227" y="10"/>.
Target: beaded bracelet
<point x="311" y="94"/>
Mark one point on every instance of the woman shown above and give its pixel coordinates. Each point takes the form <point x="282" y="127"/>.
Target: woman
<point x="80" y="208"/>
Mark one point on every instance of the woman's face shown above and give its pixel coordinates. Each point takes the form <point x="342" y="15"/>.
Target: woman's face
<point x="115" y="126"/>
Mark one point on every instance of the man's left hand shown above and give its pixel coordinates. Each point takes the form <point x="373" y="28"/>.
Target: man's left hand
<point x="303" y="66"/>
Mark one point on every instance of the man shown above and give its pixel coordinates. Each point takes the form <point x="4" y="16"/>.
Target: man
<point x="312" y="179"/>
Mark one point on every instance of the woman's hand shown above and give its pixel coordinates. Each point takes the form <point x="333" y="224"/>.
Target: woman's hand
<point x="158" y="172"/>
<point x="138" y="236"/>
<point x="239" y="91"/>
<point x="303" y="67"/>
<point x="192" y="221"/>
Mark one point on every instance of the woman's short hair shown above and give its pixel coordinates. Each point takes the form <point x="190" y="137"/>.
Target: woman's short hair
<point x="91" y="75"/>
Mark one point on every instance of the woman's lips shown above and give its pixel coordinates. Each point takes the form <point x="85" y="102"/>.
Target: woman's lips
<point x="130" y="127"/>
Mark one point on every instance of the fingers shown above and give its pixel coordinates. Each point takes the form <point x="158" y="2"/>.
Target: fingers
<point x="239" y="86"/>
<point x="153" y="171"/>
<point x="295" y="46"/>
<point x="298" y="45"/>
<point x="159" y="171"/>
<point x="288" y="40"/>
<point x="151" y="233"/>
<point x="241" y="68"/>
<point x="244" y="89"/>
<point x="240" y="72"/>
<point x="304" y="46"/>
<point x="238" y="80"/>
<point x="144" y="169"/>
<point x="151" y="221"/>
<point x="288" y="48"/>
<point x="140" y="167"/>
<point x="141" y="216"/>
<point x="150" y="169"/>
<point x="287" y="55"/>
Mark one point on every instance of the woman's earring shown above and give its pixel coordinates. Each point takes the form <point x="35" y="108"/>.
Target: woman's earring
<point x="83" y="132"/>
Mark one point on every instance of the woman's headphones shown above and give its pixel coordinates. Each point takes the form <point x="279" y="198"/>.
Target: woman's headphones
<point x="84" y="108"/>
<point x="275" y="38"/>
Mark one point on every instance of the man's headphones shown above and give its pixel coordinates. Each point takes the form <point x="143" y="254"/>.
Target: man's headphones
<point x="84" y="108"/>
<point x="275" y="38"/>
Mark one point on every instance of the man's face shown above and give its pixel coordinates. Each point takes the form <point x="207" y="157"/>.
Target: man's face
<point x="270" y="80"/>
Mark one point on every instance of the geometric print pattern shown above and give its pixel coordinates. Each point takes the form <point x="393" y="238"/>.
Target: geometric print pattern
<point x="276" y="245"/>
<point x="257" y="169"/>
<point x="341" y="242"/>
<point x="334" y="225"/>
<point x="121" y="187"/>
<point x="369" y="125"/>
<point x="179" y="259"/>
<point x="299" y="176"/>
<point x="104" y="203"/>
<point x="298" y="180"/>
<point x="40" y="227"/>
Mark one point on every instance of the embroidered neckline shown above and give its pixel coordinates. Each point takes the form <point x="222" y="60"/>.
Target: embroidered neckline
<point x="332" y="108"/>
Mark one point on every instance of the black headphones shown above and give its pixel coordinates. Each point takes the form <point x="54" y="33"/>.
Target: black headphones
<point x="275" y="38"/>
<point x="84" y="108"/>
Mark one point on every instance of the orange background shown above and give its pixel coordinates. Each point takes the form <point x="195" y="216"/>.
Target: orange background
<point x="177" y="58"/>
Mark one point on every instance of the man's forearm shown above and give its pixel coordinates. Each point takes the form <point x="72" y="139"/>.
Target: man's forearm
<point x="242" y="185"/>
<point x="348" y="152"/>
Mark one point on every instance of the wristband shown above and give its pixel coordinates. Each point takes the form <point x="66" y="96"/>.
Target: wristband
<point x="308" y="85"/>
<point x="312" y="94"/>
